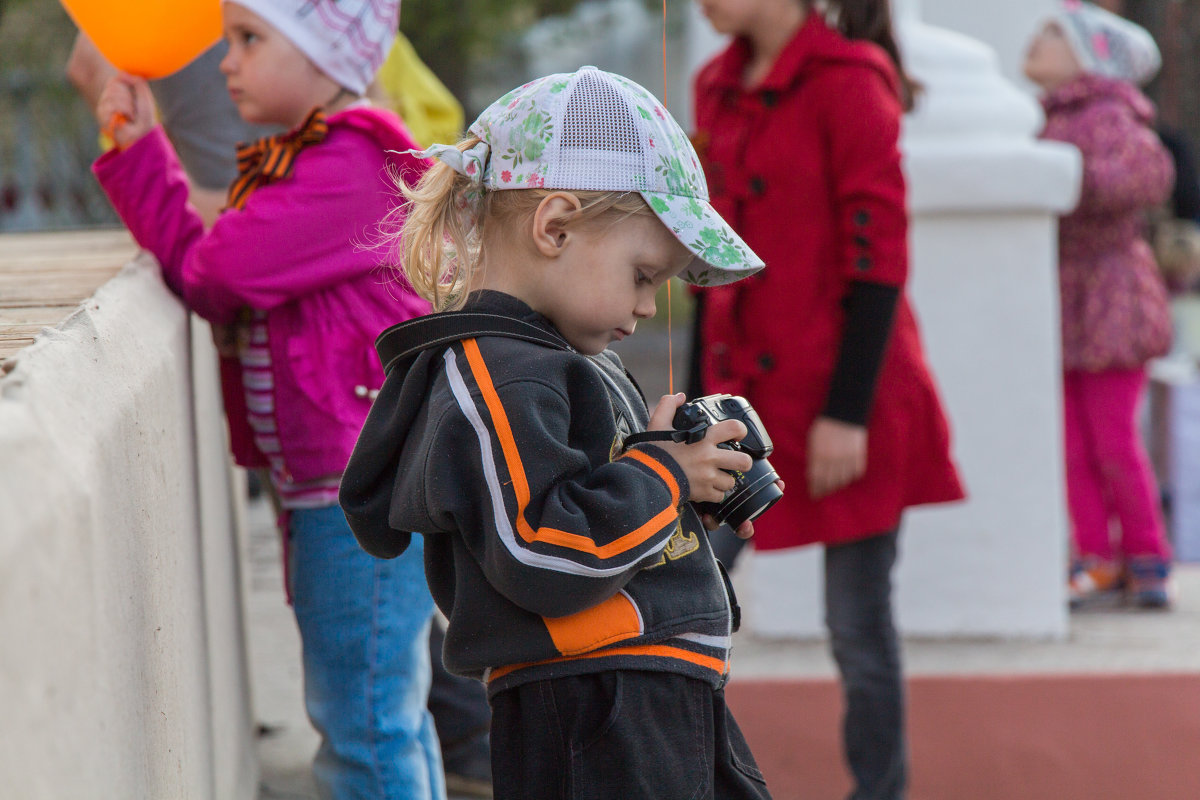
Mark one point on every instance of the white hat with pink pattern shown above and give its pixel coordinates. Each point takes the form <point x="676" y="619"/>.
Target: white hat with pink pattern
<point x="347" y="39"/>
<point x="1106" y="44"/>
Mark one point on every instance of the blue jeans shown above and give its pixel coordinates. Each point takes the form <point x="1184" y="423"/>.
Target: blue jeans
<point x="858" y="613"/>
<point x="364" y="627"/>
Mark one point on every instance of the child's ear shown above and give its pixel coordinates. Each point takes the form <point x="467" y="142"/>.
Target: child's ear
<point x="551" y="229"/>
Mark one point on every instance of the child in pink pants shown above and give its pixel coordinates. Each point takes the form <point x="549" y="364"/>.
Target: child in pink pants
<point x="1115" y="316"/>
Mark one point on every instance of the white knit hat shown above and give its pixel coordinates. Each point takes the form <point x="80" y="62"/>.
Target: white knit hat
<point x="1106" y="44"/>
<point x="598" y="131"/>
<point x="347" y="39"/>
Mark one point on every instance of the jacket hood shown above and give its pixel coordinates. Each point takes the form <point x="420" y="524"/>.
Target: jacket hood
<point x="369" y="481"/>
<point x="387" y="130"/>
<point x="1091" y="88"/>
<point x="815" y="46"/>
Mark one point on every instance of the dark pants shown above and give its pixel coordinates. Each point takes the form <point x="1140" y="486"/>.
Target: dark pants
<point x="620" y="734"/>
<point x="858" y="613"/>
<point x="460" y="713"/>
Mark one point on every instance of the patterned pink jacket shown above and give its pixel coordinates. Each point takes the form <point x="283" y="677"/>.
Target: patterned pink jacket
<point x="1114" y="302"/>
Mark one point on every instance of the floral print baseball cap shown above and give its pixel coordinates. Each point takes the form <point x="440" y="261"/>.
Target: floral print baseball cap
<point x="595" y="130"/>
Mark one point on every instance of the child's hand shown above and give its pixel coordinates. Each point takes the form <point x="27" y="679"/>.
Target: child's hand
<point x="125" y="109"/>
<point x="706" y="465"/>
<point x="744" y="531"/>
<point x="837" y="455"/>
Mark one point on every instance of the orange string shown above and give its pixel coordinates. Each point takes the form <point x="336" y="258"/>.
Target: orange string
<point x="670" y="330"/>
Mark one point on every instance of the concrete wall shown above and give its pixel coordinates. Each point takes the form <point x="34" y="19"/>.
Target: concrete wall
<point x="123" y="673"/>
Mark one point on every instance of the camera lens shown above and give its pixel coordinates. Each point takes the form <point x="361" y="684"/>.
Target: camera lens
<point x="754" y="493"/>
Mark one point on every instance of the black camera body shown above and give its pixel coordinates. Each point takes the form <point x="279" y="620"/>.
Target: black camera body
<point x="755" y="490"/>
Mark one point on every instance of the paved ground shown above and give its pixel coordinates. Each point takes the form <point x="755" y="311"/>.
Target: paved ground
<point x="1109" y="639"/>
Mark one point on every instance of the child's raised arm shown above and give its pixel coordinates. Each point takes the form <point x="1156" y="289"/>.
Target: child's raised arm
<point x="125" y="109"/>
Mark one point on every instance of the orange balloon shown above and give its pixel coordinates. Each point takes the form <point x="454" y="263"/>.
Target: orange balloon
<point x="150" y="38"/>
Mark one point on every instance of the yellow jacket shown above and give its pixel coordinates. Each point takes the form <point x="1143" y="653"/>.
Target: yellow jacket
<point x="432" y="114"/>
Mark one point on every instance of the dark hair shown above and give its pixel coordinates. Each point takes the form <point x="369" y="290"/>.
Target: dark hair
<point x="871" y="20"/>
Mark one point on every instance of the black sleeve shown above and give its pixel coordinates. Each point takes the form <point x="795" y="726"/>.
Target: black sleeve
<point x="870" y="308"/>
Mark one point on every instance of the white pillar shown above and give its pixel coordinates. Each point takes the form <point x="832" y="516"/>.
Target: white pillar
<point x="1007" y="26"/>
<point x="984" y="197"/>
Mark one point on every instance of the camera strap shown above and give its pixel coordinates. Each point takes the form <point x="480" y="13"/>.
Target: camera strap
<point x="690" y="436"/>
<point x="402" y="342"/>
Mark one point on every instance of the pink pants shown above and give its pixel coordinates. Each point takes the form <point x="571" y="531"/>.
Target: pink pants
<point x="1108" y="472"/>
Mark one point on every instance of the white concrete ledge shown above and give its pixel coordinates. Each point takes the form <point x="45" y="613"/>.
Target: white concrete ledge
<point x="991" y="176"/>
<point x="123" y="672"/>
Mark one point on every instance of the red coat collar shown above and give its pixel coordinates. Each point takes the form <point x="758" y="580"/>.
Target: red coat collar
<point x="814" y="46"/>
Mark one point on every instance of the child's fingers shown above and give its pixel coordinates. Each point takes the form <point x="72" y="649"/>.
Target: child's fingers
<point x="116" y="121"/>
<point x="827" y="475"/>
<point x="712" y="484"/>
<point x="728" y="430"/>
<point x="745" y="530"/>
<point x="141" y="101"/>
<point x="125" y="109"/>
<point x="142" y="96"/>
<point x="661" y="419"/>
<point x="733" y="460"/>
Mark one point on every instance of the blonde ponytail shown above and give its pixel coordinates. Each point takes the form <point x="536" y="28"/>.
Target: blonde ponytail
<point x="438" y="243"/>
<point x="439" y="231"/>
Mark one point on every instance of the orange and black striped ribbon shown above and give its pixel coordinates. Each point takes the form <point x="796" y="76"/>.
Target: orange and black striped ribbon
<point x="271" y="159"/>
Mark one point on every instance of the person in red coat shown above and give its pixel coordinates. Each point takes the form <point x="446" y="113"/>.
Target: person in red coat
<point x="797" y="125"/>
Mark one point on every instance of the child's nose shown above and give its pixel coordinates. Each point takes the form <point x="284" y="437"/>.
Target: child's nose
<point x="646" y="308"/>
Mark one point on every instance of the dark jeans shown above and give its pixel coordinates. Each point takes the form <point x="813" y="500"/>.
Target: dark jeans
<point x="620" y="734"/>
<point x="858" y="613"/>
<point x="460" y="714"/>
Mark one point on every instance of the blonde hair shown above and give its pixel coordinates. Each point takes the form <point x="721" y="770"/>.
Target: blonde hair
<point x="440" y="234"/>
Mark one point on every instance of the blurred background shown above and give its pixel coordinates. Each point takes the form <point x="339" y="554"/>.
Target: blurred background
<point x="478" y="48"/>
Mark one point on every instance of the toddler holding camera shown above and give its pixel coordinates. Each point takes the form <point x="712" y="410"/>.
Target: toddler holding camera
<point x="576" y="577"/>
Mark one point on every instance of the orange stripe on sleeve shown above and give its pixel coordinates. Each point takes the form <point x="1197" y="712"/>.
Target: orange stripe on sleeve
<point x="520" y="484"/>
<point x="659" y="469"/>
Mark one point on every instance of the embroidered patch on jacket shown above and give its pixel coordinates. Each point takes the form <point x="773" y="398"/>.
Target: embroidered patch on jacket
<point x="679" y="545"/>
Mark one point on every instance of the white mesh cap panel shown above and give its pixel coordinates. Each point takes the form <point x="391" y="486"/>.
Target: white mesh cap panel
<point x="598" y="143"/>
<point x="594" y="130"/>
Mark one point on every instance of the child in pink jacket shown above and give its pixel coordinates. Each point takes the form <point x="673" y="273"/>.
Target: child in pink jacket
<point x="297" y="296"/>
<point x="1115" y="315"/>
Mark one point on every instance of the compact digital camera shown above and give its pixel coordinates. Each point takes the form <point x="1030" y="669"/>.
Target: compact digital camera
<point x="755" y="490"/>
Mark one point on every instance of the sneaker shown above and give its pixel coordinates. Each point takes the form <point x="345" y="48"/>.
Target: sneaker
<point x="1150" y="582"/>
<point x="1092" y="580"/>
